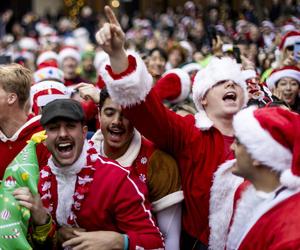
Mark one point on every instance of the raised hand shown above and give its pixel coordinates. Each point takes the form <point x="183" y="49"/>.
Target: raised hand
<point x="111" y="36"/>
<point x="112" y="39"/>
<point x="88" y="91"/>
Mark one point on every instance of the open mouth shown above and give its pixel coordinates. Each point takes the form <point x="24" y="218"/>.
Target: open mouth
<point x="65" y="147"/>
<point x="229" y="96"/>
<point x="116" y="133"/>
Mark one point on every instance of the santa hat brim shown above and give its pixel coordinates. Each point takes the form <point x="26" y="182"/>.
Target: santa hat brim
<point x="259" y="142"/>
<point x="276" y="76"/>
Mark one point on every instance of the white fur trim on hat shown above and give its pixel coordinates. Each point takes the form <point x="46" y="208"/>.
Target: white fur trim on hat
<point x="291" y="41"/>
<point x="248" y="74"/>
<point x="276" y="76"/>
<point x="288" y="179"/>
<point x="189" y="67"/>
<point x="45" y="99"/>
<point x="45" y="56"/>
<point x="216" y="71"/>
<point x="259" y="142"/>
<point x="185" y="83"/>
<point x="68" y="52"/>
<point x="202" y="121"/>
<point x="28" y="43"/>
<point x="130" y="89"/>
<point x="48" y="73"/>
<point x="48" y="85"/>
<point x="167" y="201"/>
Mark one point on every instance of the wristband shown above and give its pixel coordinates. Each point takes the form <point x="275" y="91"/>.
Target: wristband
<point x="126" y="241"/>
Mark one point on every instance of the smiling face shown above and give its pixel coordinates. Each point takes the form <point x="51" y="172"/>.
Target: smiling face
<point x="116" y="129"/>
<point x="223" y="99"/>
<point x="156" y="64"/>
<point x="289" y="88"/>
<point x="65" y="139"/>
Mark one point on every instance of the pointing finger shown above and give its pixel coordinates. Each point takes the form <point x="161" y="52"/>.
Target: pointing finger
<point x="111" y="16"/>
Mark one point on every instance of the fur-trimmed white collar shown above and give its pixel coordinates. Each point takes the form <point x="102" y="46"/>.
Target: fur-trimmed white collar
<point x="130" y="155"/>
<point x="252" y="206"/>
<point x="66" y="179"/>
<point x="221" y="204"/>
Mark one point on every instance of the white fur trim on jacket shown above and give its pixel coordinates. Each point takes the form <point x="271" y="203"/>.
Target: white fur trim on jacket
<point x="221" y="204"/>
<point x="131" y="89"/>
<point x="167" y="201"/>
<point x="276" y="76"/>
<point x="216" y="71"/>
<point x="185" y="83"/>
<point x="129" y="156"/>
<point x="289" y="180"/>
<point x="251" y="135"/>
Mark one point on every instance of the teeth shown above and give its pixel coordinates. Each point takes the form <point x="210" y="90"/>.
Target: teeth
<point x="64" y="144"/>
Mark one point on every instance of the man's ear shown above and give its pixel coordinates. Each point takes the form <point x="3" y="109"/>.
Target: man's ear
<point x="12" y="98"/>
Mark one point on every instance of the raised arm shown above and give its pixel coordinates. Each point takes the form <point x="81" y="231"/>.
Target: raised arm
<point x="129" y="84"/>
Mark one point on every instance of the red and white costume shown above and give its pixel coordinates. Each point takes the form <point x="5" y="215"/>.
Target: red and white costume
<point x="158" y="177"/>
<point x="10" y="147"/>
<point x="105" y="192"/>
<point x="198" y="147"/>
<point x="253" y="219"/>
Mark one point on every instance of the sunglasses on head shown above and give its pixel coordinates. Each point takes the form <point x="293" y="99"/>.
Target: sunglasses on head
<point x="290" y="48"/>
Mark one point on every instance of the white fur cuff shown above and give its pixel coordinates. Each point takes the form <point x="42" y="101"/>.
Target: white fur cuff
<point x="290" y="180"/>
<point x="167" y="201"/>
<point x="130" y="89"/>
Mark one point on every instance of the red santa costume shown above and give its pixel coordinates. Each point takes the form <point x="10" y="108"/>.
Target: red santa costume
<point x="158" y="177"/>
<point x="10" y="147"/>
<point x="103" y="190"/>
<point x="268" y="220"/>
<point x="197" y="146"/>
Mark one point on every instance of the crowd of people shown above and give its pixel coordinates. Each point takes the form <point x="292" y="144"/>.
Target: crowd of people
<point x="177" y="130"/>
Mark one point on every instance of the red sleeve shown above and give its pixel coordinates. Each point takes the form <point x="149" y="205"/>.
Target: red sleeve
<point x="165" y="128"/>
<point x="134" y="218"/>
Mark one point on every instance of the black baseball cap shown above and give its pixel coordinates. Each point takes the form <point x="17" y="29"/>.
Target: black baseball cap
<point x="62" y="108"/>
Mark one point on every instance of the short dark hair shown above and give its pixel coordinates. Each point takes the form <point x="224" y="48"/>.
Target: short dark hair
<point x="103" y="96"/>
<point x="160" y="51"/>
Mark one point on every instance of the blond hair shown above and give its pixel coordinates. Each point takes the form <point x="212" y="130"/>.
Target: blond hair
<point x="15" y="78"/>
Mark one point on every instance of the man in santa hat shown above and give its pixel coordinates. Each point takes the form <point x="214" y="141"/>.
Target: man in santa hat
<point x="266" y="205"/>
<point x="199" y="143"/>
<point x="15" y="125"/>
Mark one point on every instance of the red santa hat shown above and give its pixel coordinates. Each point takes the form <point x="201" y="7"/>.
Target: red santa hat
<point x="45" y="92"/>
<point x="68" y="52"/>
<point x="289" y="39"/>
<point x="173" y="86"/>
<point x="218" y="69"/>
<point x="28" y="43"/>
<point x="272" y="136"/>
<point x="286" y="71"/>
<point x="48" y="70"/>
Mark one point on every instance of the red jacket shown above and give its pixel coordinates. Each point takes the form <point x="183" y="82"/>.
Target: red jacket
<point x="114" y="203"/>
<point x="198" y="153"/>
<point x="10" y="147"/>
